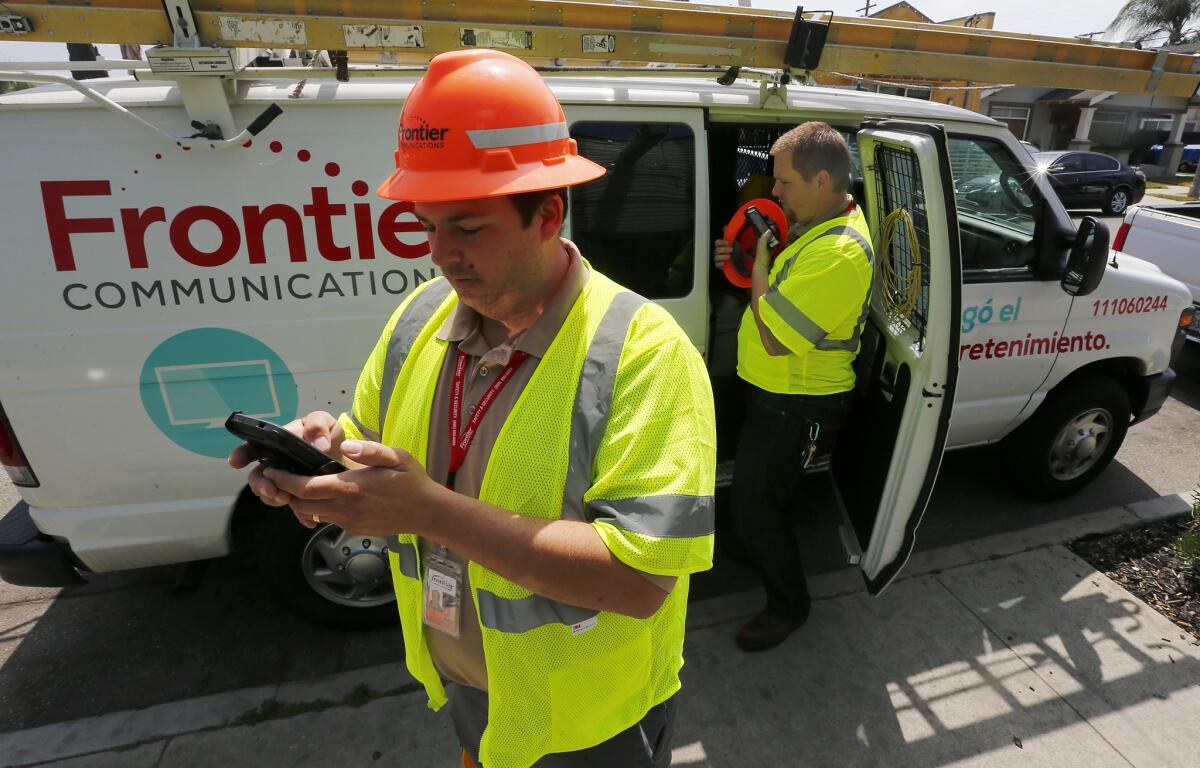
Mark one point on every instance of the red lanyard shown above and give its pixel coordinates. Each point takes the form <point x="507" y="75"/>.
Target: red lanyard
<point x="460" y="443"/>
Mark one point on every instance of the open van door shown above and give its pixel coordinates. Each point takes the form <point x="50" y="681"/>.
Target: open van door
<point x="889" y="452"/>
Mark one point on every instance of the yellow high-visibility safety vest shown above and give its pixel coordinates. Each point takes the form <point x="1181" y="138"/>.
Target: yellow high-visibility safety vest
<point x="615" y="428"/>
<point x="816" y="306"/>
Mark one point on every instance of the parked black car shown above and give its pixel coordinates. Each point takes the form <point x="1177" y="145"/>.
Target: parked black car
<point x="1091" y="179"/>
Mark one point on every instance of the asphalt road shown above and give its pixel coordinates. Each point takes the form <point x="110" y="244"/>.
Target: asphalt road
<point x="130" y="640"/>
<point x="1114" y="222"/>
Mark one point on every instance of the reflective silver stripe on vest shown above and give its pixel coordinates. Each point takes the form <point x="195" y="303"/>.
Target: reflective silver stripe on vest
<point x="589" y="419"/>
<point x="370" y="434"/>
<point x="408" y="556"/>
<point x="802" y="323"/>
<point x="851" y="343"/>
<point x="516" y="616"/>
<point x="674" y="516"/>
<point x="593" y="399"/>
<point x="404" y="334"/>
<point x="796" y="320"/>
<point x="832" y="232"/>
<point x="495" y="138"/>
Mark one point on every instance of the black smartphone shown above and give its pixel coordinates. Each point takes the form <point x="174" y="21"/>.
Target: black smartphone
<point x="762" y="226"/>
<point x="281" y="449"/>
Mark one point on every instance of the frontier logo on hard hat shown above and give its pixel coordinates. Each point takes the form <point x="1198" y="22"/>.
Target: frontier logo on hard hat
<point x="422" y="136"/>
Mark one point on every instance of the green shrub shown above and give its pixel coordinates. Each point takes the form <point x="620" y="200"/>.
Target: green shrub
<point x="1188" y="543"/>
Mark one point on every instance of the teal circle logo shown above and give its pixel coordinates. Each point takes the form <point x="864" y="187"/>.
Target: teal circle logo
<point x="192" y="382"/>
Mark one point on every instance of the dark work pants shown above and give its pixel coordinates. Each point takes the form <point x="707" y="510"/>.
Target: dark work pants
<point x="766" y="480"/>
<point x="645" y="744"/>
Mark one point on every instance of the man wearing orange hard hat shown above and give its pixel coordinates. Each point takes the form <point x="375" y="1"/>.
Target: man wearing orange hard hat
<point x="538" y="441"/>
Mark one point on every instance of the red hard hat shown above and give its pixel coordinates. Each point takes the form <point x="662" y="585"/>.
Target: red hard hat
<point x="482" y="123"/>
<point x="742" y="235"/>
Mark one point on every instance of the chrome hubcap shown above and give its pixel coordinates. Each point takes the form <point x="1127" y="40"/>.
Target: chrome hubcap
<point x="1119" y="201"/>
<point x="347" y="568"/>
<point x="1080" y="444"/>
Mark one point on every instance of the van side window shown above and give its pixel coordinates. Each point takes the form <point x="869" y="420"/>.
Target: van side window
<point x="636" y="222"/>
<point x="998" y="210"/>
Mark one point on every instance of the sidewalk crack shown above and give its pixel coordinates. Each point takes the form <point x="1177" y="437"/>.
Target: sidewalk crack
<point x="163" y="754"/>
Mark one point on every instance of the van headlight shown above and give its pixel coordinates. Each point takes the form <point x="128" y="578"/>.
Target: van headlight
<point x="1189" y="319"/>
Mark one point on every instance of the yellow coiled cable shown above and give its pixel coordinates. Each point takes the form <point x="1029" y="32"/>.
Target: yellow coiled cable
<point x="898" y="295"/>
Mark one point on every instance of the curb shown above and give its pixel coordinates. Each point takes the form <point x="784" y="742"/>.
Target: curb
<point x="847" y="581"/>
<point x="130" y="729"/>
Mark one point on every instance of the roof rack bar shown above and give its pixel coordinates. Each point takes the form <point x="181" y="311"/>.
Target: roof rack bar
<point x="75" y="66"/>
<point x="189" y="142"/>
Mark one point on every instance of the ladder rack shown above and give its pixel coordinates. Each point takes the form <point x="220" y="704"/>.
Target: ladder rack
<point x="642" y="32"/>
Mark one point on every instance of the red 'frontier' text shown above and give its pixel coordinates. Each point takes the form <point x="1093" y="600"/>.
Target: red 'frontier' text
<point x="1031" y="345"/>
<point x="250" y="229"/>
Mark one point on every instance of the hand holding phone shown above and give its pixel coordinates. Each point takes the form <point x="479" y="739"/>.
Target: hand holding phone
<point x="281" y="449"/>
<point x="762" y="226"/>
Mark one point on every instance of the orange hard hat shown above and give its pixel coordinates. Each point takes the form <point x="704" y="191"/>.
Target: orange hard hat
<point x="482" y="123"/>
<point x="742" y="235"/>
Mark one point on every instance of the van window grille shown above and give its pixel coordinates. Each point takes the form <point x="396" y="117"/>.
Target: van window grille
<point x="899" y="186"/>
<point x="754" y="151"/>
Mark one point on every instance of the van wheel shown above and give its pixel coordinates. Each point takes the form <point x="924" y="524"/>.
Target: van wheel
<point x="1117" y="201"/>
<point x="1071" y="438"/>
<point x="327" y="575"/>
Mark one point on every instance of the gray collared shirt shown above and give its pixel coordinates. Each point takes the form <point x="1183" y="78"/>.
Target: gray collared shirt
<point x="464" y="330"/>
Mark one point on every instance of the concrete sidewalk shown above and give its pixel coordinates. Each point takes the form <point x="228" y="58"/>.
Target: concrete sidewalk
<point x="1002" y="651"/>
<point x="1155" y="196"/>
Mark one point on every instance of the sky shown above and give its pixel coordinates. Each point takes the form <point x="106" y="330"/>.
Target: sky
<point x="1063" y="18"/>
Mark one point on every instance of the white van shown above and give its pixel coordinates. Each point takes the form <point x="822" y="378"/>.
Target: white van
<point x="149" y="290"/>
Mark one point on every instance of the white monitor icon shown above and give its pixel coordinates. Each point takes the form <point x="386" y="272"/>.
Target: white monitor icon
<point x="206" y="393"/>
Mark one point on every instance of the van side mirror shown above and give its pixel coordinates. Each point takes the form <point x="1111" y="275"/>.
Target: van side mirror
<point x="1088" y="259"/>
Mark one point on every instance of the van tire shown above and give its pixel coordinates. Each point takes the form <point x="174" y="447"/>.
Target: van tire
<point x="289" y="556"/>
<point x="1071" y="438"/>
<point x="1117" y="201"/>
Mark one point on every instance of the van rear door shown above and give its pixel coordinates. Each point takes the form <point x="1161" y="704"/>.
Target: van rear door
<point x="889" y="452"/>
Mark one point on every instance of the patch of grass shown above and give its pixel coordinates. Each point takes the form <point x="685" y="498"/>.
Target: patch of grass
<point x="1157" y="185"/>
<point x="1188" y="546"/>
<point x="1180" y="198"/>
<point x="273" y="709"/>
<point x="361" y="695"/>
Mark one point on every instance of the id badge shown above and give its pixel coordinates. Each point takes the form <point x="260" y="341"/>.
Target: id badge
<point x="443" y="591"/>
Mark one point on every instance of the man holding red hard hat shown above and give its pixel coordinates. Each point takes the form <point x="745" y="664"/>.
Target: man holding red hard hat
<point x="796" y="347"/>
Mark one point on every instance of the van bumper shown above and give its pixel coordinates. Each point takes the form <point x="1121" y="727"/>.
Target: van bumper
<point x="1158" y="387"/>
<point x="29" y="558"/>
